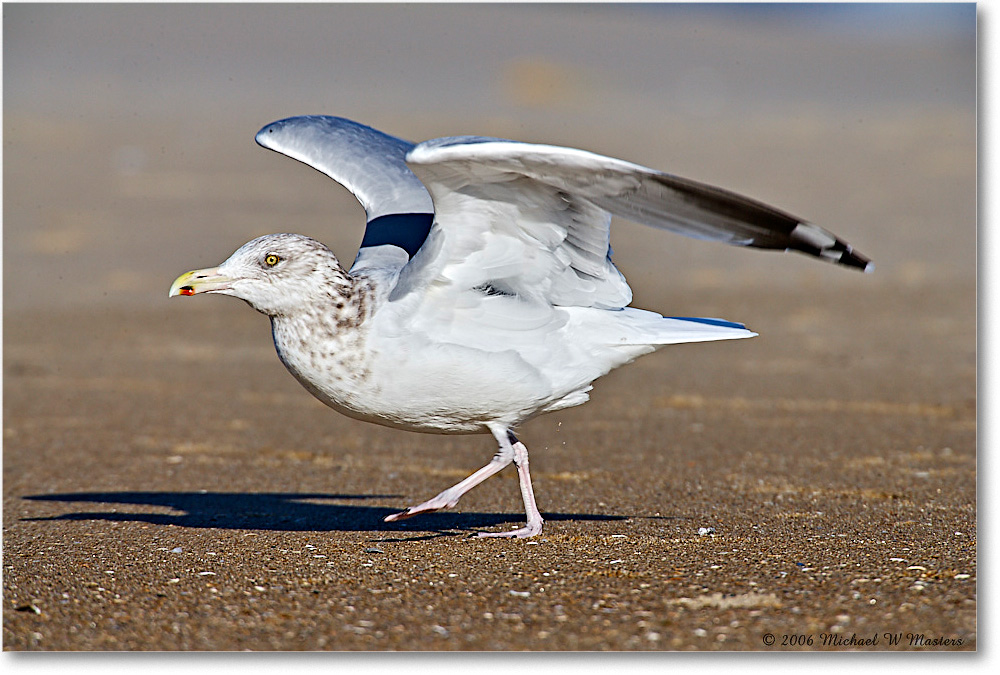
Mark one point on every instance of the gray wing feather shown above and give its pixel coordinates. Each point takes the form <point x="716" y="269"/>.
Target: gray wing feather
<point x="366" y="161"/>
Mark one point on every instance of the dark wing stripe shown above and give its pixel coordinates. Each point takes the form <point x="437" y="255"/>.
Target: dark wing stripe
<point x="405" y="230"/>
<point x="710" y="322"/>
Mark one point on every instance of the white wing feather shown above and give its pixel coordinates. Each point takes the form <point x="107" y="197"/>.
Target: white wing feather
<point x="501" y="230"/>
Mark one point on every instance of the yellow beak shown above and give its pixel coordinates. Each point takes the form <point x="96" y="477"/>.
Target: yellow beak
<point x="200" y="281"/>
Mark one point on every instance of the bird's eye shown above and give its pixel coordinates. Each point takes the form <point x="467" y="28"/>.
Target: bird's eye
<point x="271" y="260"/>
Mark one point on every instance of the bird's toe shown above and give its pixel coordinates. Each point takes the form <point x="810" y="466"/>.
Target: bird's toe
<point x="520" y="533"/>
<point x="402" y="515"/>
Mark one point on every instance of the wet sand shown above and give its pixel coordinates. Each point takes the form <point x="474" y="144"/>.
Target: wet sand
<point x="168" y="486"/>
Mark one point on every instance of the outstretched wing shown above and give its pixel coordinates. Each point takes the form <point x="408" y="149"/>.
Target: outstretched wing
<point x="370" y="164"/>
<point x="482" y="167"/>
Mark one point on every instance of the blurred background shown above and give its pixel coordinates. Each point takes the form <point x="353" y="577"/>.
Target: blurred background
<point x="129" y="153"/>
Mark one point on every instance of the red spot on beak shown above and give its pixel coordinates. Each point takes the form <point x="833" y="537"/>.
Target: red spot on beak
<point x="186" y="290"/>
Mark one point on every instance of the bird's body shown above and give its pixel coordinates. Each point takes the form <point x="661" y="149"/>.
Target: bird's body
<point x="486" y="299"/>
<point x="502" y="360"/>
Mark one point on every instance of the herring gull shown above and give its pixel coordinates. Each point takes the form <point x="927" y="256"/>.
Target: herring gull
<point x="483" y="292"/>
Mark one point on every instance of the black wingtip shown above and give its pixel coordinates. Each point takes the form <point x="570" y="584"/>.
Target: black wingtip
<point x="851" y="259"/>
<point x="814" y="240"/>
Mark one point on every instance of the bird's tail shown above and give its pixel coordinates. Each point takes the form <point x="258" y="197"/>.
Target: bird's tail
<point x="649" y="328"/>
<point x="697" y="329"/>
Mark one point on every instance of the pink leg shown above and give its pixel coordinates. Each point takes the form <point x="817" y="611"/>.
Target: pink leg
<point x="534" y="524"/>
<point x="450" y="497"/>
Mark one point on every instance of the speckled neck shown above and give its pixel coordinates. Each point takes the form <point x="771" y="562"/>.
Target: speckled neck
<point x="323" y="344"/>
<point x="340" y="307"/>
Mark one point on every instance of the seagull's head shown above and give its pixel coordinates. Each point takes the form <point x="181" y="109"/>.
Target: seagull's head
<point x="275" y="274"/>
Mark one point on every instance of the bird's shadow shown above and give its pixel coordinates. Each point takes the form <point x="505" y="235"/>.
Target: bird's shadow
<point x="281" y="511"/>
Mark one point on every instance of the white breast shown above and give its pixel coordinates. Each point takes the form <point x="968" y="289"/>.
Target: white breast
<point x="409" y="381"/>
